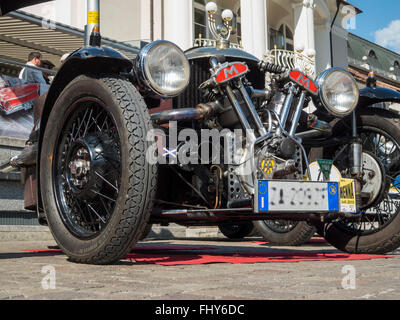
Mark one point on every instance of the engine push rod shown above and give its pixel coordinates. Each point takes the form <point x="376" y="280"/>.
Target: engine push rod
<point x="286" y="107"/>
<point x="296" y="118"/>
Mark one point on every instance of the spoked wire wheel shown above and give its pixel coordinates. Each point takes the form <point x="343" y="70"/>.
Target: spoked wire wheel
<point x="377" y="229"/>
<point x="384" y="152"/>
<point x="87" y="168"/>
<point x="96" y="184"/>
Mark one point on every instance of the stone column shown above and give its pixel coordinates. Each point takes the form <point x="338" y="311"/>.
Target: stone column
<point x="304" y="24"/>
<point x="254" y="26"/>
<point x="145" y="20"/>
<point x="178" y="22"/>
<point x="304" y="27"/>
<point x="158" y="20"/>
<point x="322" y="47"/>
<point x="339" y="45"/>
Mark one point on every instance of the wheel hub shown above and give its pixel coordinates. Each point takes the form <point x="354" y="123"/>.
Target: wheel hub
<point x="85" y="167"/>
<point x="80" y="168"/>
<point x="373" y="180"/>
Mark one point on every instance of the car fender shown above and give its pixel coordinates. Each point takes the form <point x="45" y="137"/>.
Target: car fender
<point x="370" y="96"/>
<point x="88" y="60"/>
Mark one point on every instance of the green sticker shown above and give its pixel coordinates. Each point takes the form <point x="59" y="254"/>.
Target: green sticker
<point x="325" y="166"/>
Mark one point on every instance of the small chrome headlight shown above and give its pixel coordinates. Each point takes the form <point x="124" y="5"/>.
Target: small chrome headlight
<point x="164" y="68"/>
<point x="338" y="91"/>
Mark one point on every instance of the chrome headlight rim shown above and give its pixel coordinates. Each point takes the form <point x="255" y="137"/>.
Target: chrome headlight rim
<point x="322" y="95"/>
<point x="144" y="74"/>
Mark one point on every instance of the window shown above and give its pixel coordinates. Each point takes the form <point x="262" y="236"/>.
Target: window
<point x="372" y="54"/>
<point x="373" y="61"/>
<point x="239" y="33"/>
<point x="201" y="21"/>
<point x="282" y="38"/>
<point x="200" y="24"/>
<point x="396" y="67"/>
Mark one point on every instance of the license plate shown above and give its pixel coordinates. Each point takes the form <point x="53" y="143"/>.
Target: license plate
<point x="296" y="196"/>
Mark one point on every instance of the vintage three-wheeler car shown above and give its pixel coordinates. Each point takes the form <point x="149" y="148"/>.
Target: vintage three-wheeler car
<point x="197" y="138"/>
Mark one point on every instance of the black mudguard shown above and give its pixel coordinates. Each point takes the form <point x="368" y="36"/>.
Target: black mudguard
<point x="370" y="96"/>
<point x="89" y="60"/>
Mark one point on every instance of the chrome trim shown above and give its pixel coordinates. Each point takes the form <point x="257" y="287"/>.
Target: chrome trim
<point x="203" y="42"/>
<point x="250" y="106"/>
<point x="286" y="108"/>
<point x="207" y="52"/>
<point x="320" y="81"/>
<point x="239" y="112"/>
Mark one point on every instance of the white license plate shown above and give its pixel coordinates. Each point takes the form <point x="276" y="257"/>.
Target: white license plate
<point x="296" y="196"/>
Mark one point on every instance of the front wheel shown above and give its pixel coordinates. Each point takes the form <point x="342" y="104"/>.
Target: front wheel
<point x="377" y="231"/>
<point x="285" y="233"/>
<point x="96" y="185"/>
<point x="236" y="230"/>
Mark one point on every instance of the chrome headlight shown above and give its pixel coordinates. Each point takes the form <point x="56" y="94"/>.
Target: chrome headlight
<point x="338" y="91"/>
<point x="164" y="68"/>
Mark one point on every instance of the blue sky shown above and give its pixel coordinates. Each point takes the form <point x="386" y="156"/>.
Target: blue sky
<point x="379" y="22"/>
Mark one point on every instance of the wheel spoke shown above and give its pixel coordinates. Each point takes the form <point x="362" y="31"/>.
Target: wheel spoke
<point x="87" y="124"/>
<point x="80" y="126"/>
<point x="86" y="205"/>
<point x="91" y="208"/>
<point x="106" y="181"/>
<point x="102" y="195"/>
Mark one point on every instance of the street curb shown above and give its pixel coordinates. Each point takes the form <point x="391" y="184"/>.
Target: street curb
<point x="24" y="233"/>
<point x="180" y="232"/>
<point x="39" y="233"/>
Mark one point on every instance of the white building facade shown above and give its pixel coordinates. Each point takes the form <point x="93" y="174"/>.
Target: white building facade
<point x="259" y="26"/>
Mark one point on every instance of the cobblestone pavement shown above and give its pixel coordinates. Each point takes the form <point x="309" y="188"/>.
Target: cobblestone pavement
<point x="24" y="275"/>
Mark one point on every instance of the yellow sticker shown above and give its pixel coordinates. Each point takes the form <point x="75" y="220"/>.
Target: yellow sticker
<point x="93" y="17"/>
<point x="347" y="191"/>
<point x="347" y="195"/>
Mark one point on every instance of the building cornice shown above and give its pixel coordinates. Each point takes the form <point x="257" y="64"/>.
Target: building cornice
<point x="361" y="76"/>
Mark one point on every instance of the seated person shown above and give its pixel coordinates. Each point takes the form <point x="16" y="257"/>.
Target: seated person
<point x="30" y="75"/>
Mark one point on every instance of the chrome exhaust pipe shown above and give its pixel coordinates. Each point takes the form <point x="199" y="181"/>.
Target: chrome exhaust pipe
<point x="184" y="114"/>
<point x="319" y="129"/>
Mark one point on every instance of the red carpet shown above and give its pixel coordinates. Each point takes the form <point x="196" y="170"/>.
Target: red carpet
<point x="175" y="256"/>
<point x="190" y="259"/>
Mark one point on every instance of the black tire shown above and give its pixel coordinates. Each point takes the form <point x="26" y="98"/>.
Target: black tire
<point x="121" y="148"/>
<point x="385" y="236"/>
<point x="236" y="230"/>
<point x="276" y="232"/>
